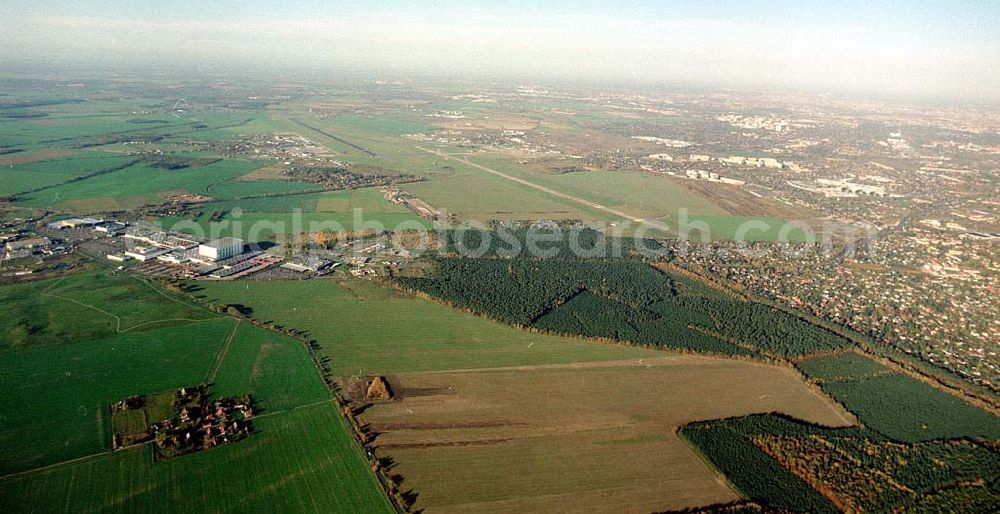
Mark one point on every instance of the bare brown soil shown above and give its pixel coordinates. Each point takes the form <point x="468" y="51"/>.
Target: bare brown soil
<point x="597" y="436"/>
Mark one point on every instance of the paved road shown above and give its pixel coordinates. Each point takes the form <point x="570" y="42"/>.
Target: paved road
<point x="642" y="221"/>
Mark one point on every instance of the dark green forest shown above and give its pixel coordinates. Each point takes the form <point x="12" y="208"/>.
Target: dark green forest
<point x="870" y="471"/>
<point x="624" y="300"/>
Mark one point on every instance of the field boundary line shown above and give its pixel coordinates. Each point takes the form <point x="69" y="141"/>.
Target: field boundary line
<point x="219" y="359"/>
<point x="155" y="321"/>
<point x="658" y="361"/>
<point x="79" y="459"/>
<point x="168" y="297"/>
<point x="118" y="320"/>
<point x="720" y="476"/>
<point x="827" y="399"/>
<point x="54" y="465"/>
<point x="104" y="171"/>
<point x="297" y="407"/>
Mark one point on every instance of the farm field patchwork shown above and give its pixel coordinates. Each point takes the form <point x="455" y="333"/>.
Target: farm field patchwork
<point x="54" y="129"/>
<point x="35" y="155"/>
<point x="435" y="431"/>
<point x="520" y="384"/>
<point x="592" y="436"/>
<point x="55" y="411"/>
<point x="84" y="122"/>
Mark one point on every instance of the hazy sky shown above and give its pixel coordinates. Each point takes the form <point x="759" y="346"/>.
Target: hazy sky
<point x="915" y="47"/>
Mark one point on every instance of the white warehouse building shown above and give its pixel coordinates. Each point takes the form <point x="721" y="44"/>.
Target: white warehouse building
<point x="219" y="249"/>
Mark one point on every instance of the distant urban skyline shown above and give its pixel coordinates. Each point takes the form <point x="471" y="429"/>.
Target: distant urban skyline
<point x="920" y="48"/>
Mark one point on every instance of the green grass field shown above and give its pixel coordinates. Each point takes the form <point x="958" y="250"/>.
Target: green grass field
<point x="284" y="203"/>
<point x="369" y="199"/>
<point x="53" y="129"/>
<point x="266" y="218"/>
<point x="476" y="195"/>
<point x="252" y="123"/>
<point x="129" y="421"/>
<point x="366" y="199"/>
<point x="238" y="189"/>
<point x="97" y="120"/>
<point x="156" y="407"/>
<point x="742" y="228"/>
<point x="87" y="306"/>
<point x="19" y="178"/>
<point x="376" y="134"/>
<point x="393" y="125"/>
<point x="160" y="406"/>
<point x="55" y="400"/>
<point x="136" y="186"/>
<point x="366" y="328"/>
<point x="297" y="461"/>
<point x="275" y="370"/>
<point x="473" y="194"/>
<point x="640" y="194"/>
